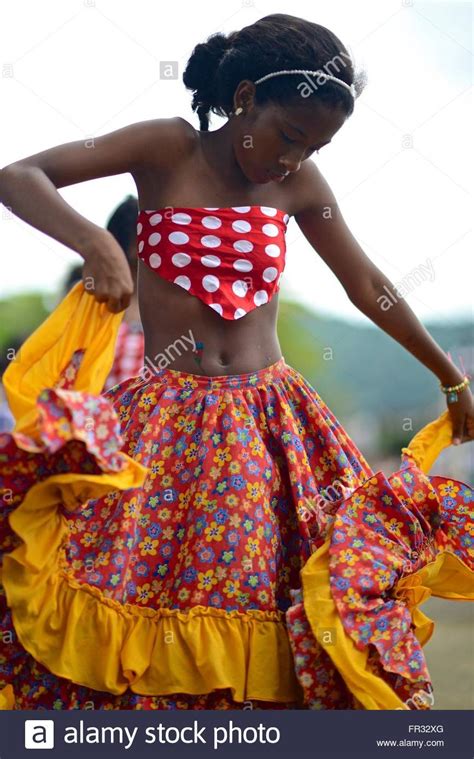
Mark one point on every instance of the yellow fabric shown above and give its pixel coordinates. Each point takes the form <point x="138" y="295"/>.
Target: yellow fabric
<point x="439" y="577"/>
<point x="80" y="634"/>
<point x="72" y="628"/>
<point x="79" y="321"/>
<point x="428" y="443"/>
<point x="7" y="698"/>
<point x="446" y="577"/>
<point x="321" y="611"/>
<point x="59" y="621"/>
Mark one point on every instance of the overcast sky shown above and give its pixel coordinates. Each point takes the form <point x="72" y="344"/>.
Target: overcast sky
<point x="399" y="167"/>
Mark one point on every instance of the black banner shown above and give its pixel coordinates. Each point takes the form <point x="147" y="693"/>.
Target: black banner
<point x="217" y="734"/>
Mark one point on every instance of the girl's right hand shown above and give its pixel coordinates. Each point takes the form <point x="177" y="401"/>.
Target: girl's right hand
<point x="106" y="273"/>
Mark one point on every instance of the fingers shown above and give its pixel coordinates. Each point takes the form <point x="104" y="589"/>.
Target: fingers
<point x="458" y="428"/>
<point x="470" y="426"/>
<point x="113" y="306"/>
<point x="115" y="303"/>
<point x="462" y="432"/>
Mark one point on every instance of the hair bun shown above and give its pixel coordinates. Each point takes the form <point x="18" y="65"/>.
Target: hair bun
<point x="203" y="63"/>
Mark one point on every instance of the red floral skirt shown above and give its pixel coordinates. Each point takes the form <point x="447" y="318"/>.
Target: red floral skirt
<point x="245" y="474"/>
<point x="216" y="525"/>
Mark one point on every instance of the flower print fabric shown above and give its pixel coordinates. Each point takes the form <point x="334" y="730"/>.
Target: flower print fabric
<point x="214" y="533"/>
<point x="210" y="541"/>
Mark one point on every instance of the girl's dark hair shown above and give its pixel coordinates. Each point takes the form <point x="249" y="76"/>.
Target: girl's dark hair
<point x="274" y="42"/>
<point x="122" y="224"/>
<point x="73" y="275"/>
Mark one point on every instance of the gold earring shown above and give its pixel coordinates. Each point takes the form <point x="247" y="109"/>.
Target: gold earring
<point x="238" y="111"/>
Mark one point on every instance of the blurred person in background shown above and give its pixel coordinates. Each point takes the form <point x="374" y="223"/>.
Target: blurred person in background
<point x="73" y="276"/>
<point x="130" y="345"/>
<point x="129" y="348"/>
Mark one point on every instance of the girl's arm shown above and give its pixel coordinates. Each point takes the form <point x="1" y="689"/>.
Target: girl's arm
<point x="322" y="224"/>
<point x="28" y="187"/>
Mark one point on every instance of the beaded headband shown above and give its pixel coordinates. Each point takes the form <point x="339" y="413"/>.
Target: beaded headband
<point x="349" y="87"/>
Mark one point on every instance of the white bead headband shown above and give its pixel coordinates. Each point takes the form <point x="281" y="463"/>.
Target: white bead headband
<point x="349" y="87"/>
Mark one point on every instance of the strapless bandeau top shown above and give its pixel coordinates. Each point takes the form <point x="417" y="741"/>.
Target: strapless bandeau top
<point x="232" y="259"/>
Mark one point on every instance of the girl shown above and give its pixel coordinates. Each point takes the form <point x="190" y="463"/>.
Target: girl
<point x="185" y="592"/>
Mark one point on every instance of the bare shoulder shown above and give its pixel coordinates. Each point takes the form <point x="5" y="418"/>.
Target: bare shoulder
<point x="165" y="141"/>
<point x="310" y="191"/>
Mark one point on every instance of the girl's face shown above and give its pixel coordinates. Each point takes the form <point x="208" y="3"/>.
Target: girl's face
<point x="271" y="141"/>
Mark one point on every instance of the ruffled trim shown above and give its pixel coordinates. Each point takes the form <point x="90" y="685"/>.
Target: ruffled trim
<point x="73" y="347"/>
<point x="57" y="618"/>
<point x="425" y="447"/>
<point x="157" y="652"/>
<point x="73" y="629"/>
<point x="351" y="662"/>
<point x="336" y="673"/>
<point x="391" y="545"/>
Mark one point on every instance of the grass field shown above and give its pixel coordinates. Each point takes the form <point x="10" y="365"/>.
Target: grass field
<point x="450" y="653"/>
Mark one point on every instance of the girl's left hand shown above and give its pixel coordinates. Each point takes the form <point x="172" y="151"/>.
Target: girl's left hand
<point x="462" y="417"/>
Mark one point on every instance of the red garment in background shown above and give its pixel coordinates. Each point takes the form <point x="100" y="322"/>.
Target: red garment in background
<point x="129" y="354"/>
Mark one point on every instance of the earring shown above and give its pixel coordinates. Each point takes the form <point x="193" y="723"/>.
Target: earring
<point x="238" y="111"/>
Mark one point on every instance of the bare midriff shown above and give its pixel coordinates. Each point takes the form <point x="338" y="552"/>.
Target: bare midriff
<point x="178" y="325"/>
<point x="179" y="328"/>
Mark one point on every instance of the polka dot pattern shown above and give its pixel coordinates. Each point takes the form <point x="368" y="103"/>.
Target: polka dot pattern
<point x="231" y="258"/>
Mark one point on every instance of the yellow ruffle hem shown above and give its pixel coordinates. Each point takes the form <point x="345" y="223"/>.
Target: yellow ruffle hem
<point x="447" y="576"/>
<point x="370" y="690"/>
<point x="73" y="629"/>
<point x="78" y="633"/>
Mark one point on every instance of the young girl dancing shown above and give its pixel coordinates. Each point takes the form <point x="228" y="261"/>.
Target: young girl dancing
<point x="193" y="558"/>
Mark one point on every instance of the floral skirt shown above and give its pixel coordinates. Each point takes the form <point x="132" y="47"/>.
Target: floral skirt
<point x="189" y="587"/>
<point x="208" y="549"/>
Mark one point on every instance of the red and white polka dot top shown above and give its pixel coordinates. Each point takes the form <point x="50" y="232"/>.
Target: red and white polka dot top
<point x="231" y="258"/>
